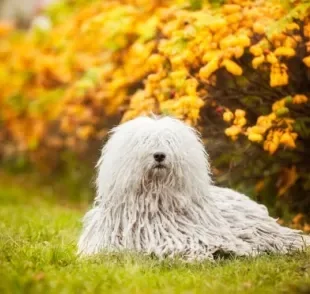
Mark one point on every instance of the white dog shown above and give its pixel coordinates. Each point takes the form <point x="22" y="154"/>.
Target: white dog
<point x="155" y="195"/>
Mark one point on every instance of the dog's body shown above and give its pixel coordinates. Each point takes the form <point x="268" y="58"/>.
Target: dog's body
<point x="155" y="195"/>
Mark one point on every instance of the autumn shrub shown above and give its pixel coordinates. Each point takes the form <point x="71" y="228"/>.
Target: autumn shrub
<point x="238" y="70"/>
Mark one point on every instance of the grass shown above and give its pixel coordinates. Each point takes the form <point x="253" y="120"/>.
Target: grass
<point x="38" y="234"/>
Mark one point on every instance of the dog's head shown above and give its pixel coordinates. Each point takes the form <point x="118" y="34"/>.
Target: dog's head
<point x="147" y="151"/>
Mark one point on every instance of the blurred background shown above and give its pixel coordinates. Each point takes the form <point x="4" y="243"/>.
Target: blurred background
<point x="238" y="70"/>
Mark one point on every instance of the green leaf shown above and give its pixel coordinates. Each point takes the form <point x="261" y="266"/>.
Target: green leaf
<point x="17" y="102"/>
<point x="216" y="3"/>
<point x="195" y="4"/>
<point x="251" y="101"/>
<point x="288" y="99"/>
<point x="302" y="127"/>
<point x="282" y="111"/>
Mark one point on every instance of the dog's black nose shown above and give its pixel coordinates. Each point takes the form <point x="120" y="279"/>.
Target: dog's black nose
<point x="159" y="156"/>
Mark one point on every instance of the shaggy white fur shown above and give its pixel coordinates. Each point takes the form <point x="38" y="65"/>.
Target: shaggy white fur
<point x="155" y="195"/>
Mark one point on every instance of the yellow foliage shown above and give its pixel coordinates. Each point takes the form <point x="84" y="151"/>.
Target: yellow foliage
<point x="288" y="140"/>
<point x="203" y="39"/>
<point x="85" y="132"/>
<point x="306" y="61"/>
<point x="257" y="130"/>
<point x="239" y="113"/>
<point x="255" y="137"/>
<point x="228" y="116"/>
<point x="284" y="51"/>
<point x="278" y="75"/>
<point x="233" y="131"/>
<point x="231" y="8"/>
<point x="300" y="99"/>
<point x="271" y="146"/>
<point x="206" y="71"/>
<point x="259" y="185"/>
<point x="127" y="58"/>
<point x="257" y="61"/>
<point x="232" y="67"/>
<point x="298" y="218"/>
<point x="209" y="55"/>
<point x="256" y="50"/>
<point x="271" y="58"/>
<point x="287" y="179"/>
<point x="258" y="28"/>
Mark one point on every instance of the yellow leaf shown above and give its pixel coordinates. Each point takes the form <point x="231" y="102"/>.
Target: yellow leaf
<point x="298" y="218"/>
<point x="255" y="137"/>
<point x="232" y="67"/>
<point x="259" y="186"/>
<point x="228" y="116"/>
<point x="306" y="61"/>
<point x="287" y="180"/>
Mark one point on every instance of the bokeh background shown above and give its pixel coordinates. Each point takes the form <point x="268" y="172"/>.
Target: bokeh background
<point x="238" y="70"/>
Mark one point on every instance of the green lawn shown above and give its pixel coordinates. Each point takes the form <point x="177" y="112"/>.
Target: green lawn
<point x="37" y="255"/>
